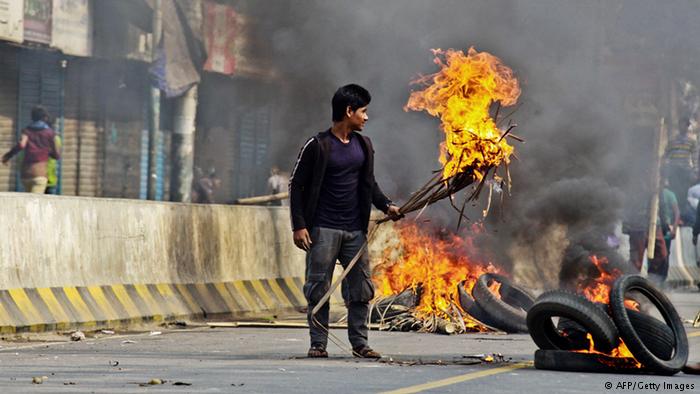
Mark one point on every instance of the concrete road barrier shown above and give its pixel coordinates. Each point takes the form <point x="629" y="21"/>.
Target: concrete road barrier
<point x="68" y="262"/>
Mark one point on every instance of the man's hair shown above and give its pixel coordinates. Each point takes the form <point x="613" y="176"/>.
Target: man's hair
<point x="351" y="95"/>
<point x="39" y="113"/>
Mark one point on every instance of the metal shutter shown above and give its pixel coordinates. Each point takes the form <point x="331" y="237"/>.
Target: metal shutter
<point x="8" y="110"/>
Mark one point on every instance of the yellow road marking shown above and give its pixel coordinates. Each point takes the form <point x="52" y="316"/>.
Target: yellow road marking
<point x="457" y="379"/>
<point x="79" y="304"/>
<point x="131" y="309"/>
<point x="55" y="307"/>
<point x="105" y="307"/>
<point x="194" y="307"/>
<point x="295" y="290"/>
<point x="143" y="292"/>
<point x="175" y="305"/>
<point x="207" y="297"/>
<point x="5" y="318"/>
<point x="243" y="291"/>
<point x="279" y="292"/>
<point x="226" y="296"/>
<point x="25" y="306"/>
<point x="694" y="334"/>
<point x="242" y="301"/>
<point x="257" y="285"/>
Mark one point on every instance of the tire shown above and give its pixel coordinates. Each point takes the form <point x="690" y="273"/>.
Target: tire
<point x="632" y="338"/>
<point x="507" y="317"/>
<point x="563" y="360"/>
<point x="576" y="308"/>
<point x="472" y="308"/>
<point x="656" y="335"/>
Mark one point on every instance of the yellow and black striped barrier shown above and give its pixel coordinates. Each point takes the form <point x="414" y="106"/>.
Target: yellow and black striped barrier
<point x="65" y="308"/>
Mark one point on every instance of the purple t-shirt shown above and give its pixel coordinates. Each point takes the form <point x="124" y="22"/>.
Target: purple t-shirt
<point x="338" y="205"/>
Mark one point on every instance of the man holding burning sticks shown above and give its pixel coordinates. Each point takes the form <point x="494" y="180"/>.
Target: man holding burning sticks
<point x="331" y="190"/>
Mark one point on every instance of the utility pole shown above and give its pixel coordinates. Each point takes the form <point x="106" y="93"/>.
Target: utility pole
<point x="183" y="146"/>
<point x="154" y="112"/>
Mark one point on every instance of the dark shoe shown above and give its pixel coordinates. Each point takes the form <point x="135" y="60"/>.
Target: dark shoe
<point x="317" y="351"/>
<point x="365" y="352"/>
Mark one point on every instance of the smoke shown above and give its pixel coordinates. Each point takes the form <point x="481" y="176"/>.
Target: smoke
<point x="588" y="120"/>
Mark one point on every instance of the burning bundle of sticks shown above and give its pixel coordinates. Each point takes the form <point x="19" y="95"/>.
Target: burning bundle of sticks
<point x="461" y="95"/>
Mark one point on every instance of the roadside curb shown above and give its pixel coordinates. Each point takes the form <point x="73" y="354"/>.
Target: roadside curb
<point x="121" y="305"/>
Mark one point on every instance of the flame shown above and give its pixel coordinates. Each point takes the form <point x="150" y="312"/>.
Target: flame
<point x="621" y="352"/>
<point x="435" y="265"/>
<point x="461" y="94"/>
<point x="598" y="289"/>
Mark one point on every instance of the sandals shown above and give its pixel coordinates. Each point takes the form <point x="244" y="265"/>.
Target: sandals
<point x="317" y="351"/>
<point x="365" y="352"/>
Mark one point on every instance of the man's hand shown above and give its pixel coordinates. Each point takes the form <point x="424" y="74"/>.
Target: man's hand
<point x="695" y="239"/>
<point x="394" y="213"/>
<point x="302" y="239"/>
<point x="5" y="159"/>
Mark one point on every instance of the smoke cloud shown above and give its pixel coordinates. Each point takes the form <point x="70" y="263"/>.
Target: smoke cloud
<point x="592" y="77"/>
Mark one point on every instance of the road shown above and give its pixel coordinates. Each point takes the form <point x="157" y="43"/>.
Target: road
<point x="267" y="360"/>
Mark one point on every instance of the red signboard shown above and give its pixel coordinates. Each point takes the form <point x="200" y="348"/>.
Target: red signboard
<point x="37" y="20"/>
<point x="220" y="34"/>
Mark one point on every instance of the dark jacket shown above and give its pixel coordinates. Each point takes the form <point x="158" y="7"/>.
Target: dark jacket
<point x="307" y="178"/>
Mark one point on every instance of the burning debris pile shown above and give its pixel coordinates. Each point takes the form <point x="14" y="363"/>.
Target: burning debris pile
<point x="603" y="326"/>
<point x="431" y="284"/>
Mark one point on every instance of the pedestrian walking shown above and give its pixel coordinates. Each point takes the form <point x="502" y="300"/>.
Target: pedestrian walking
<point x="38" y="142"/>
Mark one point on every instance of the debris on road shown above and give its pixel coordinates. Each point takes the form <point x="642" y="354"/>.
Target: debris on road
<point x="154" y="333"/>
<point x="69" y="383"/>
<point x="77" y="336"/>
<point x="107" y="332"/>
<point x="39" y="379"/>
<point x="182" y="384"/>
<point x="128" y="341"/>
<point x="113" y="363"/>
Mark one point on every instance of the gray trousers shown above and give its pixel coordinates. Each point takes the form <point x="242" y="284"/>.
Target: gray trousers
<point x="329" y="245"/>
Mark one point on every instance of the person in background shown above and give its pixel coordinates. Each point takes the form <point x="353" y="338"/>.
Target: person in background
<point x="669" y="219"/>
<point x="38" y="141"/>
<point x="277" y="183"/>
<point x="681" y="159"/>
<point x="204" y="188"/>
<point x="52" y="170"/>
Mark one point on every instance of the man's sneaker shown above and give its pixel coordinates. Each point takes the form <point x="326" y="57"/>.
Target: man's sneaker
<point x="317" y="351"/>
<point x="365" y="352"/>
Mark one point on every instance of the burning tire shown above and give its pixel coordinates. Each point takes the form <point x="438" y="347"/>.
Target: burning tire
<point x="576" y="308"/>
<point x="632" y="337"/>
<point x="657" y="336"/>
<point x="472" y="308"/>
<point x="507" y="312"/>
<point x="563" y="360"/>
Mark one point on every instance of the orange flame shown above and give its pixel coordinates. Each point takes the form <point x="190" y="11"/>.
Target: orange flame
<point x="461" y="94"/>
<point x="599" y="289"/>
<point x="436" y="265"/>
<point x="621" y="352"/>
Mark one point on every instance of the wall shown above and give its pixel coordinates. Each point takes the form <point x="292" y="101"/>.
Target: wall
<point x="48" y="241"/>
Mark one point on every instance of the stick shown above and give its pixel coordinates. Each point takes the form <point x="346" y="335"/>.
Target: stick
<point x="656" y="188"/>
<point x="262" y="199"/>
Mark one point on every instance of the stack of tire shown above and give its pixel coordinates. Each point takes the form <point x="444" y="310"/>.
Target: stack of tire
<point x="505" y="311"/>
<point x="660" y="347"/>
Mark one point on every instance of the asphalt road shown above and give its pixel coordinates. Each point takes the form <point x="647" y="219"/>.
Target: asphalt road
<point x="271" y="360"/>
